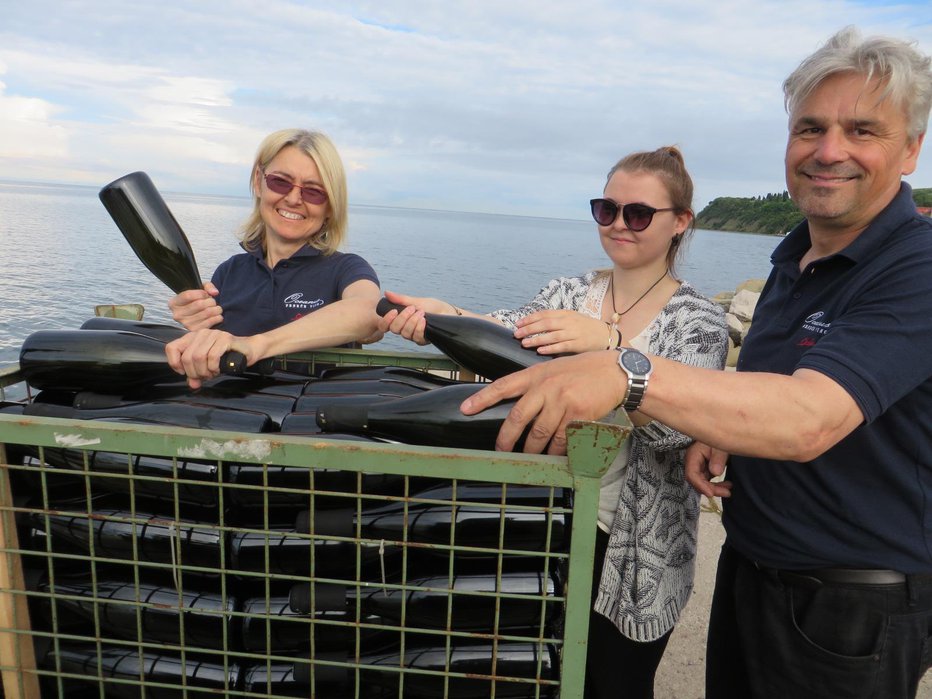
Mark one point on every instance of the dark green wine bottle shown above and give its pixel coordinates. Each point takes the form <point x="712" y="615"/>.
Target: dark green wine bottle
<point x="517" y="668"/>
<point x="482" y="346"/>
<point x="204" y="417"/>
<point x="286" y="552"/>
<point x="521" y="671"/>
<point x="152" y="231"/>
<point x="276" y="407"/>
<point x="480" y="530"/>
<point x="258" y="484"/>
<point x="309" y="404"/>
<point x="272" y="624"/>
<point x="277" y="679"/>
<point x="365" y="386"/>
<point x="108" y="361"/>
<point x="279" y="383"/>
<point x="515" y="600"/>
<point x="134" y="536"/>
<point x="205" y="618"/>
<point x="162" y="479"/>
<point x="431" y="418"/>
<point x="160" y="331"/>
<point x="124" y="672"/>
<point x="398" y="373"/>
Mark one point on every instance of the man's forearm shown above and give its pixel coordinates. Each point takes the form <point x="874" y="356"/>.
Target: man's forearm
<point x="793" y="417"/>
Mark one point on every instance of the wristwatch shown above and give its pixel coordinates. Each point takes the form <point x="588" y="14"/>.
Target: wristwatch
<point x="638" y="368"/>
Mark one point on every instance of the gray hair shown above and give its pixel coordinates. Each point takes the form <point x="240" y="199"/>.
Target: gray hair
<point x="905" y="73"/>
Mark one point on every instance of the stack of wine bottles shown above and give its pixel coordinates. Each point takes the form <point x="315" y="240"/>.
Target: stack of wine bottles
<point x="445" y="582"/>
<point x="278" y="580"/>
<point x="116" y="370"/>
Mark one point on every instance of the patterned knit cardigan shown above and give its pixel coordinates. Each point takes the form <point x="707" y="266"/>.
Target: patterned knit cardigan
<point x="650" y="564"/>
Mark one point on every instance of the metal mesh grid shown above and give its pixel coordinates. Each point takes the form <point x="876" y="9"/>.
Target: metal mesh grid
<point x="162" y="562"/>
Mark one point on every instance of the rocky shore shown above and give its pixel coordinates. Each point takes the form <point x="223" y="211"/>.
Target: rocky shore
<point x="739" y="308"/>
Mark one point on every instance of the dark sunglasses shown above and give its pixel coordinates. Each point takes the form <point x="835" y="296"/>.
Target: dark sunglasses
<point x="637" y="217"/>
<point x="279" y="185"/>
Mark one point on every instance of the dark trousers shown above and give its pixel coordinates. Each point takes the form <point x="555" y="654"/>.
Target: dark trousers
<point x="778" y="635"/>
<point x="616" y="666"/>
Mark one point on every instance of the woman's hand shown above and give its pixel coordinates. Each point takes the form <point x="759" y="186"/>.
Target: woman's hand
<point x="373" y="338"/>
<point x="197" y="354"/>
<point x="410" y="323"/>
<point x="197" y="309"/>
<point x="564" y="332"/>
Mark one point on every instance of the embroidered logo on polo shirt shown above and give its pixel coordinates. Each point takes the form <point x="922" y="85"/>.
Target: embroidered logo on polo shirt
<point x="815" y="324"/>
<point x="297" y="301"/>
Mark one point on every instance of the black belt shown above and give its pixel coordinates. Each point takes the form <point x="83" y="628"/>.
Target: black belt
<point x="837" y="576"/>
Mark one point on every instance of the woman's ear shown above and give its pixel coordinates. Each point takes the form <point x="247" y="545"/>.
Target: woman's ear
<point x="256" y="182"/>
<point x="682" y="222"/>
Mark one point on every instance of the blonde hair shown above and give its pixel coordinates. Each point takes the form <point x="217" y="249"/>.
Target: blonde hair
<point x="667" y="164"/>
<point x="321" y="150"/>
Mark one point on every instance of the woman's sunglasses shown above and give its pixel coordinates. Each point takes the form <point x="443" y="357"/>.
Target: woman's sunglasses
<point x="279" y="185"/>
<point x="637" y="217"/>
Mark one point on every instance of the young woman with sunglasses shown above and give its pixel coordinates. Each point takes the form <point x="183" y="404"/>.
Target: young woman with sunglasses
<point x="290" y="269"/>
<point x="648" y="514"/>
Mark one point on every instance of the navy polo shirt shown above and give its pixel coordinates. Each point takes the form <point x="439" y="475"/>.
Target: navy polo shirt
<point x="862" y="317"/>
<point x="256" y="298"/>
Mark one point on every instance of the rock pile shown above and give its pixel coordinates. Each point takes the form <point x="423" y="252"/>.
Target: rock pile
<point x="739" y="309"/>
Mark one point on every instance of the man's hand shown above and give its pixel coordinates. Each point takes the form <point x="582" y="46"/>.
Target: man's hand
<point x="583" y="387"/>
<point x="703" y="463"/>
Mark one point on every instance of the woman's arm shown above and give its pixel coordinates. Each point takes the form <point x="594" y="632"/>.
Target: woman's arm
<point x="410" y="324"/>
<point x="351" y="319"/>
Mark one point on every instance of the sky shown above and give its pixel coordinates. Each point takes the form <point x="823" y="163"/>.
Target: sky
<point x="499" y="106"/>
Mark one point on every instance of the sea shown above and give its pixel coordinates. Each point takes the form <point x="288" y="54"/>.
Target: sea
<point x="61" y="255"/>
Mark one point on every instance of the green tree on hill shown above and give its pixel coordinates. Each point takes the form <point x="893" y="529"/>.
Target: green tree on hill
<point x="773" y="213"/>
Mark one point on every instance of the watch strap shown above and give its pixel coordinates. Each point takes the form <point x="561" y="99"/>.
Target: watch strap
<point x="636" y="388"/>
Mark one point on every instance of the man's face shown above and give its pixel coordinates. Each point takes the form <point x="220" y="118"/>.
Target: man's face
<point x="846" y="153"/>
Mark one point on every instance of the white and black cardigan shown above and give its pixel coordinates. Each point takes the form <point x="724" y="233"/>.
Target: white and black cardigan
<point x="648" y="573"/>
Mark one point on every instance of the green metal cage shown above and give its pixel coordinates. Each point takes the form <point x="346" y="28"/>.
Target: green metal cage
<point x="150" y="561"/>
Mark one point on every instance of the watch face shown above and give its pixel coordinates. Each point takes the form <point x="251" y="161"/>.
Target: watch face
<point x="635" y="362"/>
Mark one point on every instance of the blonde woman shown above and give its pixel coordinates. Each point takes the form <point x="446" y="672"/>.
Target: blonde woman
<point x="291" y="289"/>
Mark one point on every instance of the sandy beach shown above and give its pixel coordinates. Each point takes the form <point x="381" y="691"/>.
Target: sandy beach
<point x="682" y="670"/>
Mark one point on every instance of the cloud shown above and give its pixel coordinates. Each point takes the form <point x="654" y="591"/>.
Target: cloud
<point x="515" y="107"/>
<point x="27" y="128"/>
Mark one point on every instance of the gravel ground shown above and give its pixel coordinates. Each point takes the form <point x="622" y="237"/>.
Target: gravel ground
<point x="682" y="671"/>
